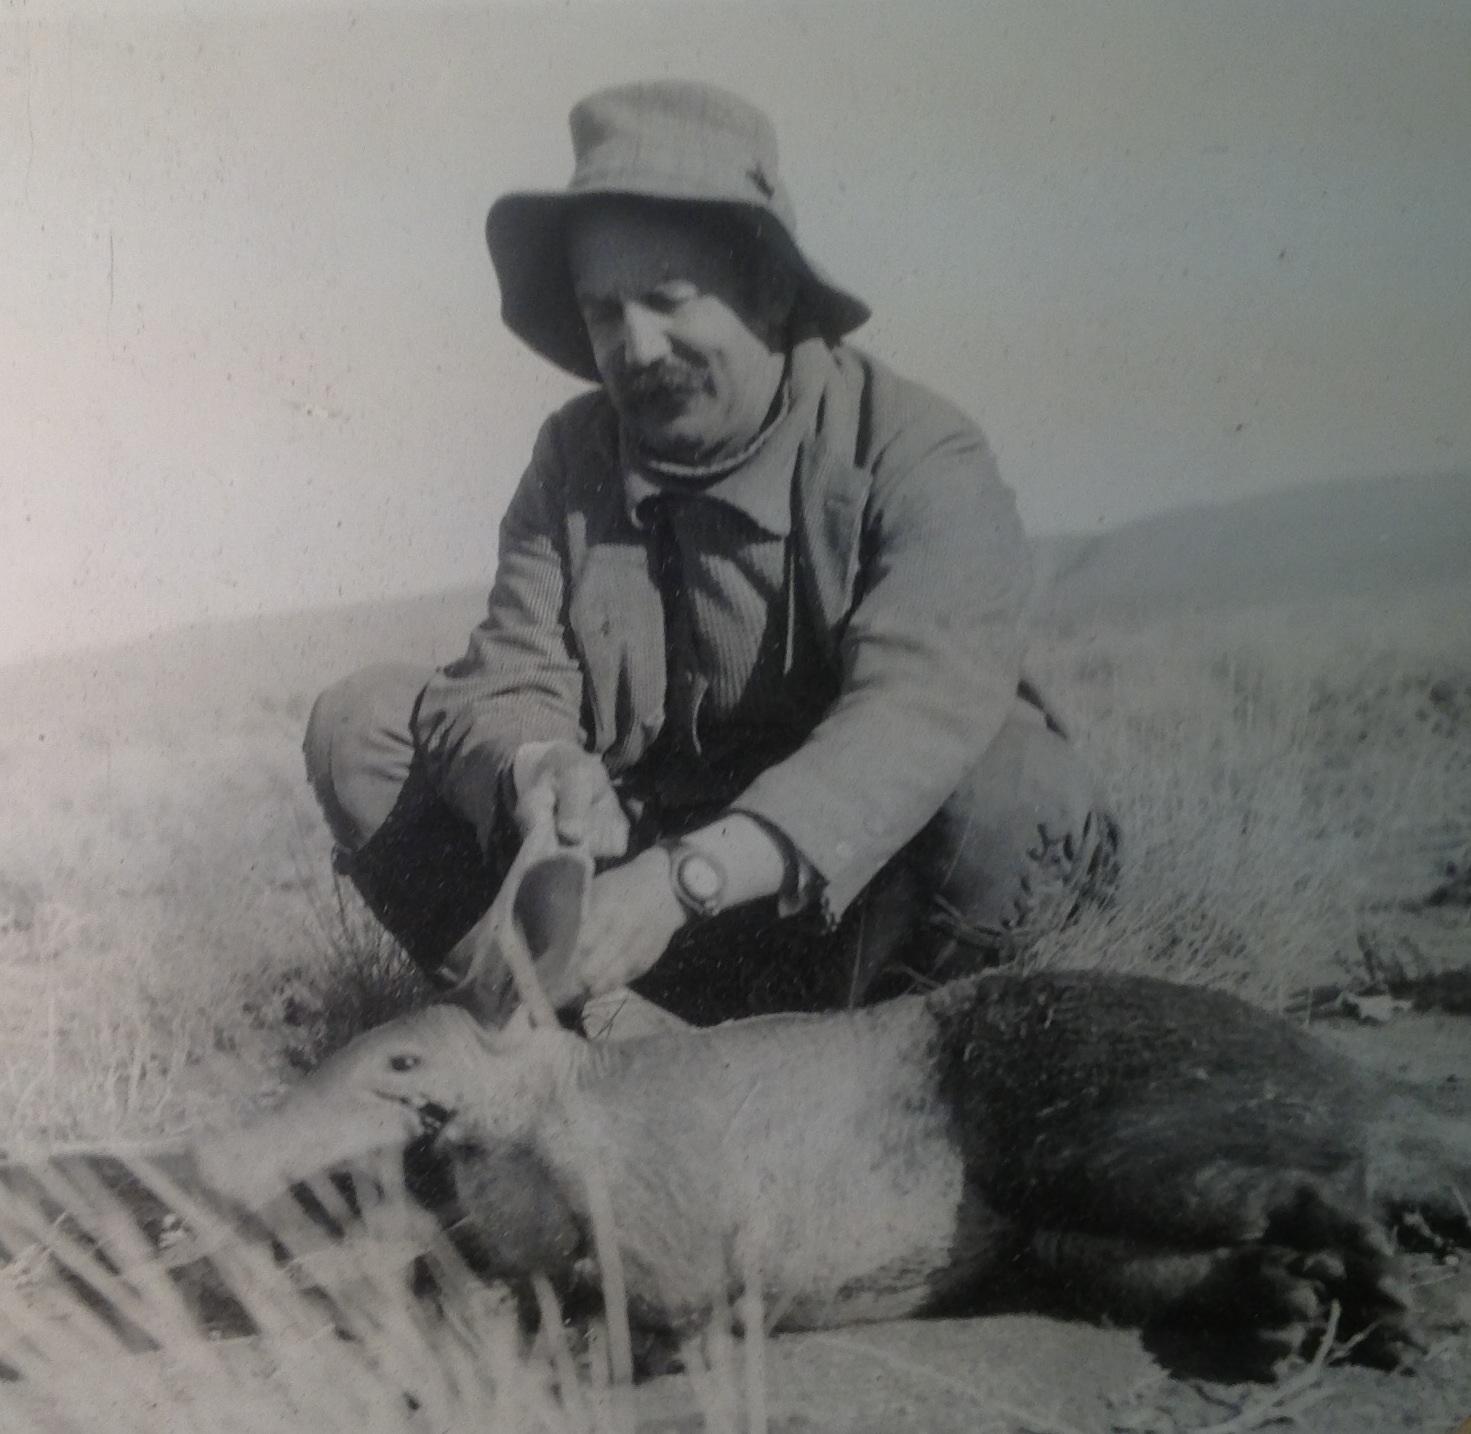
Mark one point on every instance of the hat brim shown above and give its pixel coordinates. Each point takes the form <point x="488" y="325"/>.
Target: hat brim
<point x="527" y="236"/>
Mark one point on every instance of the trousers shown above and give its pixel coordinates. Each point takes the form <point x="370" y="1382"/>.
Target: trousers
<point x="1016" y="850"/>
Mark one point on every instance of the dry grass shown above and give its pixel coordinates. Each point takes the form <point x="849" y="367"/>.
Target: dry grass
<point x="338" y="1341"/>
<point x="174" y="947"/>
<point x="337" y="1338"/>
<point x="173" y="944"/>
<point x="1281" y="779"/>
<point x="112" y="1317"/>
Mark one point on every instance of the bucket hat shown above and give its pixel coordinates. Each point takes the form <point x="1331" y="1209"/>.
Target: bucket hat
<point x="675" y="141"/>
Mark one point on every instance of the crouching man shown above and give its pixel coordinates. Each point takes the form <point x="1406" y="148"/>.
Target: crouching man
<point x="755" y="628"/>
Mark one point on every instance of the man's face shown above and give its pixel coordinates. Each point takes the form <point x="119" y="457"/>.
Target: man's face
<point x="687" y="342"/>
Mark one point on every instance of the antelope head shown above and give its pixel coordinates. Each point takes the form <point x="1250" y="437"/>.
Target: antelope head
<point x="475" y="1058"/>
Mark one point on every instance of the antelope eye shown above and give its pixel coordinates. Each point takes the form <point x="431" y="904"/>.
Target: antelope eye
<point x="403" y="1063"/>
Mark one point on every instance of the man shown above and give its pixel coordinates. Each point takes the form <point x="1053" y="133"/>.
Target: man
<point x="755" y="630"/>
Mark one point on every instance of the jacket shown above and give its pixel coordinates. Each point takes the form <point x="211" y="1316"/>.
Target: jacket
<point x="913" y="569"/>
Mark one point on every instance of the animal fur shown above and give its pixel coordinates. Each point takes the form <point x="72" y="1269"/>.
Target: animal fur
<point x="1156" y="1152"/>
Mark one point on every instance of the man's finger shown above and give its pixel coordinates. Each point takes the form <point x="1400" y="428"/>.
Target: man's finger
<point x="538" y="802"/>
<point x="579" y="787"/>
<point x="597" y="945"/>
<point x="607" y="831"/>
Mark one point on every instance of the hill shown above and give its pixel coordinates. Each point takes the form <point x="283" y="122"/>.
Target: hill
<point x="1317" y="543"/>
<point x="1323" y="541"/>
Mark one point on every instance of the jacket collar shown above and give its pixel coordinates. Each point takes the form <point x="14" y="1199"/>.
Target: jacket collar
<point x="832" y="494"/>
<point x="760" y="487"/>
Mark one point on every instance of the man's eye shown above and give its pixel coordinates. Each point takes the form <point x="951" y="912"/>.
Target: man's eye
<point x="669" y="297"/>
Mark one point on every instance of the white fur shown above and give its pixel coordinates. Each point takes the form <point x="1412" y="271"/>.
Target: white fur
<point x="812" y="1155"/>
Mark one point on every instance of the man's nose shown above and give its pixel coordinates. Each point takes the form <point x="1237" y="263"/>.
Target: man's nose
<point x="644" y="339"/>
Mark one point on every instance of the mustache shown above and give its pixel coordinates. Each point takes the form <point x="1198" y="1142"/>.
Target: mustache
<point x="665" y="380"/>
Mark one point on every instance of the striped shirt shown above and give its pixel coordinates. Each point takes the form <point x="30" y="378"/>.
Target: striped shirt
<point x="746" y="683"/>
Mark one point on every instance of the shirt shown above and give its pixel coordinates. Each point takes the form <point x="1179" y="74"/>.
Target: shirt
<point x="744" y="675"/>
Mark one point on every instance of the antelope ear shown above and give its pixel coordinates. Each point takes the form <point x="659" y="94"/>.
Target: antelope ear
<point x="488" y="991"/>
<point x="547" y="917"/>
<point x="531" y="934"/>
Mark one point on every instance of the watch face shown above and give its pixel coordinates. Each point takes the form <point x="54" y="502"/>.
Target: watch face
<point x="700" y="877"/>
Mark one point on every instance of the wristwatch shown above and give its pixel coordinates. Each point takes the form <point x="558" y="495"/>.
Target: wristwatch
<point x="697" y="878"/>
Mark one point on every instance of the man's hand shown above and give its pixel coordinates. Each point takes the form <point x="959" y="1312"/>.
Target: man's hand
<point x="574" y="784"/>
<point x="632" y="913"/>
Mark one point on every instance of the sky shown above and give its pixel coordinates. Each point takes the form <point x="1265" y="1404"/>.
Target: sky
<point x="1164" y="251"/>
